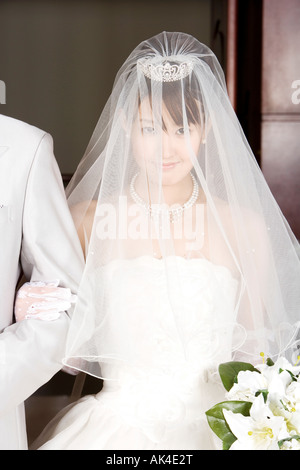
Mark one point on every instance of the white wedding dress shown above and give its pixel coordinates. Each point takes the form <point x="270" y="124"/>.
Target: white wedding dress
<point x="161" y="405"/>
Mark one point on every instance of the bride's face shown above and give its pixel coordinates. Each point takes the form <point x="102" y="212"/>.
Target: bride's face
<point x="166" y="148"/>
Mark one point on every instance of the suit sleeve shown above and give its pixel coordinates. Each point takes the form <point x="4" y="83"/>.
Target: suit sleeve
<point x="32" y="350"/>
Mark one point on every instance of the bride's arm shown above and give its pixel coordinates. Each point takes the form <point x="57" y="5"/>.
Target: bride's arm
<point x="251" y="246"/>
<point x="46" y="300"/>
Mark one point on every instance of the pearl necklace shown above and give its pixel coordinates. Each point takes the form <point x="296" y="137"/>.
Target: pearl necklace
<point x="153" y="211"/>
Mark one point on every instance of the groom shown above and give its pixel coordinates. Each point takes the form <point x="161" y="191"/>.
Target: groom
<point x="38" y="239"/>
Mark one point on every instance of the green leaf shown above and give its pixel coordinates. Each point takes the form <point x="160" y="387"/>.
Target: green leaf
<point x="264" y="392"/>
<point x="229" y="371"/>
<point x="218" y="424"/>
<point x="294" y="378"/>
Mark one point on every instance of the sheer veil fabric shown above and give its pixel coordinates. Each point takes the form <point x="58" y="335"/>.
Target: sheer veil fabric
<point x="168" y="179"/>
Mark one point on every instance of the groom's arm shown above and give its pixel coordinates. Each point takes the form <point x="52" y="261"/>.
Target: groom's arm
<point x="50" y="247"/>
<point x="31" y="350"/>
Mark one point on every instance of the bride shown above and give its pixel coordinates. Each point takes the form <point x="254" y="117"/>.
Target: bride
<point x="189" y="262"/>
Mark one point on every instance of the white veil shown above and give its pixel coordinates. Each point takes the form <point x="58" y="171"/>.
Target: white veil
<point x="169" y="139"/>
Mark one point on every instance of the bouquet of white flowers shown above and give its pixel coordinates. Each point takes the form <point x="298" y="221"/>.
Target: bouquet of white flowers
<point x="263" y="407"/>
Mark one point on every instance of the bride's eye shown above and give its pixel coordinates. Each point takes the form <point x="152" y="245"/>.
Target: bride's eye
<point x="182" y="130"/>
<point x="148" y="130"/>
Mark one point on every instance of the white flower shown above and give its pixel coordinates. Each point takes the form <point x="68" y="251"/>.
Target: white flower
<point x="290" y="406"/>
<point x="293" y="391"/>
<point x="248" y="383"/>
<point x="274" y="421"/>
<point x="259" y="431"/>
<point x="284" y="392"/>
<point x="282" y="364"/>
<point x="293" y="444"/>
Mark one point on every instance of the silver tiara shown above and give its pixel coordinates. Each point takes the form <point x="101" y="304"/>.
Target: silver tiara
<point x="165" y="71"/>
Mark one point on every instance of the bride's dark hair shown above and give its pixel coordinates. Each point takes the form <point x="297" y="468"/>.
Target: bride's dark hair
<point x="179" y="97"/>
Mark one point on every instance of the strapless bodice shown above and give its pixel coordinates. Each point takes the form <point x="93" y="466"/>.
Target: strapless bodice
<point x="169" y="313"/>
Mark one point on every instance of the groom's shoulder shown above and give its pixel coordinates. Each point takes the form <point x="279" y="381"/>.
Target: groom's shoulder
<point x="16" y="130"/>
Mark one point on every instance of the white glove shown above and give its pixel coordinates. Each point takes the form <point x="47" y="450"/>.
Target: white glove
<point x="42" y="301"/>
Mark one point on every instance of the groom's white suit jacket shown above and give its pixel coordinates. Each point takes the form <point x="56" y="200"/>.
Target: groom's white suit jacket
<point x="37" y="237"/>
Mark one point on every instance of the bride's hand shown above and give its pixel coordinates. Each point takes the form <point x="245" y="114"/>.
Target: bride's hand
<point x="42" y="301"/>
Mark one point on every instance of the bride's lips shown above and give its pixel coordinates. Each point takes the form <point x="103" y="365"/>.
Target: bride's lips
<point x="169" y="166"/>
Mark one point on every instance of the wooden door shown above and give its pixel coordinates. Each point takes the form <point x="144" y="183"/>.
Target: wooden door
<point x="280" y="126"/>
